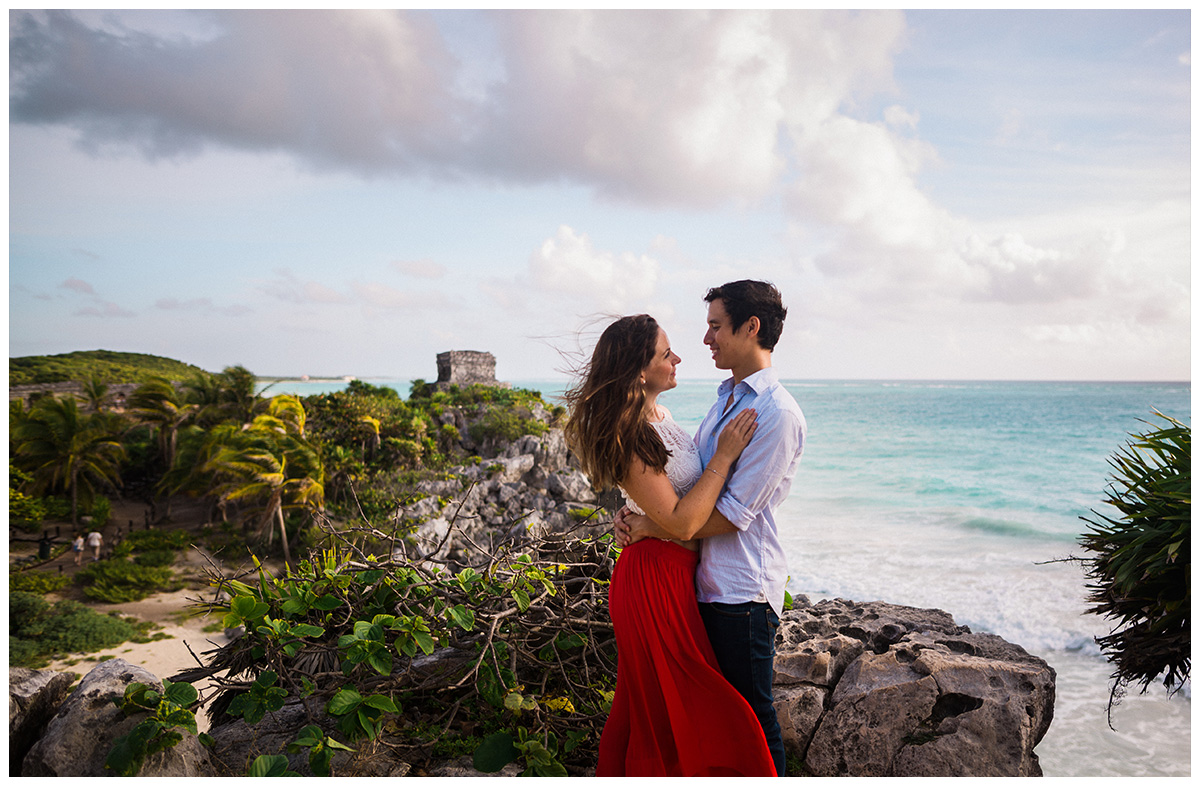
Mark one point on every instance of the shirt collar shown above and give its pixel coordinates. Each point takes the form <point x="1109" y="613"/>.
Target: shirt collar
<point x="759" y="382"/>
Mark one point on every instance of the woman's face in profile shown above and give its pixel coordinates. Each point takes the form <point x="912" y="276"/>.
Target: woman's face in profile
<point x="660" y="372"/>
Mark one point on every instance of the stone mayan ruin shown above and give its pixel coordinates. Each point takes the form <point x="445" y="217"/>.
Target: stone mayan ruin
<point x="464" y="367"/>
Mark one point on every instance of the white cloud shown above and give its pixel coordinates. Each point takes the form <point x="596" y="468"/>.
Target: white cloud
<point x="206" y="305"/>
<point x="1076" y="334"/>
<point x="79" y="286"/>
<point x="378" y="295"/>
<point x="363" y="90"/>
<point x="105" y="309"/>
<point x="667" y="106"/>
<point x="569" y="264"/>
<point x="288" y="287"/>
<point x="421" y="269"/>
<point x="900" y="118"/>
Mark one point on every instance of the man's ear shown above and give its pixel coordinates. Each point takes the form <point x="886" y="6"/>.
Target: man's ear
<point x="752" y="326"/>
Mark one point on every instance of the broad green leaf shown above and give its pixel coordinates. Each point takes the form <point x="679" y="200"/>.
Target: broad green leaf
<point x="366" y="722"/>
<point x="424" y="640"/>
<point x="381" y="702"/>
<point x="269" y="766"/>
<point x="308" y="630"/>
<point x="344" y="702"/>
<point x="462" y="617"/>
<point x="380" y="661"/>
<point x="327" y="603"/>
<point x="295" y="607"/>
<point x="181" y="694"/>
<point x="248" y="608"/>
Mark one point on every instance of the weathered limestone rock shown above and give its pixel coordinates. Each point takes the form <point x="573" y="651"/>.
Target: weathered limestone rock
<point x="238" y="744"/>
<point x="799" y="708"/>
<point x="33" y="698"/>
<point x="817" y="660"/>
<point x="995" y="704"/>
<point x="570" y="485"/>
<point x="78" y="739"/>
<point x="913" y="694"/>
<point x="513" y="468"/>
<point x="465" y="767"/>
<point x="878" y="703"/>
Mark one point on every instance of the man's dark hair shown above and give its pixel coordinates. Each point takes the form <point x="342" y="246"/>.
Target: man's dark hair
<point x="748" y="298"/>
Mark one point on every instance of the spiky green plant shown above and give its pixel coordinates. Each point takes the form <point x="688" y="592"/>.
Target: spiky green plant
<point x="1141" y="573"/>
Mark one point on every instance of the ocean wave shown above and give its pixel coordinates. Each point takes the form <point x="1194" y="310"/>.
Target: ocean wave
<point x="1013" y="528"/>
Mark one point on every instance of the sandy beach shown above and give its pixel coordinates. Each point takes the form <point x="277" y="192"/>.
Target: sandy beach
<point x="163" y="657"/>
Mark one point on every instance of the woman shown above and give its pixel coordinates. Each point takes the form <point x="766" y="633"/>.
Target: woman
<point x="673" y="713"/>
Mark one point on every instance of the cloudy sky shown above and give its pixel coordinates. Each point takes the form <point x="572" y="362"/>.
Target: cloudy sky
<point x="940" y="195"/>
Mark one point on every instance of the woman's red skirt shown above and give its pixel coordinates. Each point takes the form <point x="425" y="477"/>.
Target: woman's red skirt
<point x="673" y="713"/>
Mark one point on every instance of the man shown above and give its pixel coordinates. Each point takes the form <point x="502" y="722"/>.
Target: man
<point x="94" y="540"/>
<point x="742" y="572"/>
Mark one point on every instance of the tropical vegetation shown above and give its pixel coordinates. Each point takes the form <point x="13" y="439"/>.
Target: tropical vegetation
<point x="1140" y="569"/>
<point x="510" y="660"/>
<point x="104" y="366"/>
<point x="39" y="631"/>
<point x="316" y="481"/>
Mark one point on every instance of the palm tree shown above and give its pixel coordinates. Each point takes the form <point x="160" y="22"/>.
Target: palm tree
<point x="65" y="449"/>
<point x="204" y="391"/>
<point x="94" y="394"/>
<point x="270" y="461"/>
<point x="238" y="395"/>
<point x="159" y="405"/>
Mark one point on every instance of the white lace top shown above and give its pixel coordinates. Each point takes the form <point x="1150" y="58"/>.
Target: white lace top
<point x="683" y="464"/>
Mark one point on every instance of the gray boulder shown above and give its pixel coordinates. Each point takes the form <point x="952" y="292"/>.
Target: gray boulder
<point x="78" y="739"/>
<point x="33" y="698"/>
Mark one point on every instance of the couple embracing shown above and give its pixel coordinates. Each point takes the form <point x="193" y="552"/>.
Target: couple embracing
<point x="697" y="591"/>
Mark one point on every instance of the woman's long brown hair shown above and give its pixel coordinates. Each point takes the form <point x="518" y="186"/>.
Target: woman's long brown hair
<point x="607" y="426"/>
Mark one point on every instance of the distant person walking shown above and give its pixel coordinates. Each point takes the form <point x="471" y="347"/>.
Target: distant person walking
<point x="77" y="549"/>
<point x="94" y="540"/>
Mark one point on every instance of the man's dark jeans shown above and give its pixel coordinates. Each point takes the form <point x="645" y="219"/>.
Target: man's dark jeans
<point x="743" y="637"/>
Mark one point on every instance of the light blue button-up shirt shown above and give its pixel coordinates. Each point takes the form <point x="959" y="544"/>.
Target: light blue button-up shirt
<point x="749" y="565"/>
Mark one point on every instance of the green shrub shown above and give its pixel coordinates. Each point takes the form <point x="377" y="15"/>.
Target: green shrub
<point x="142" y="541"/>
<point x="100" y="511"/>
<point x="503" y="423"/>
<point x="155" y="558"/>
<point x="35" y="582"/>
<point x="1141" y="573"/>
<point x="117" y="581"/>
<point x="57" y="507"/>
<point x="39" y="631"/>
<point x="24" y="510"/>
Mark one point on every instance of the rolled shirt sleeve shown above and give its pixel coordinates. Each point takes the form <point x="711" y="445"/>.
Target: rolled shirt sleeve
<point x="764" y="470"/>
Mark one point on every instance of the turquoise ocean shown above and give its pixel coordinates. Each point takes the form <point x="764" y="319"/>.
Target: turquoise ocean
<point x="965" y="496"/>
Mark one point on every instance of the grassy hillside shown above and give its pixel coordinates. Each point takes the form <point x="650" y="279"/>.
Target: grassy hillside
<point x="107" y="366"/>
